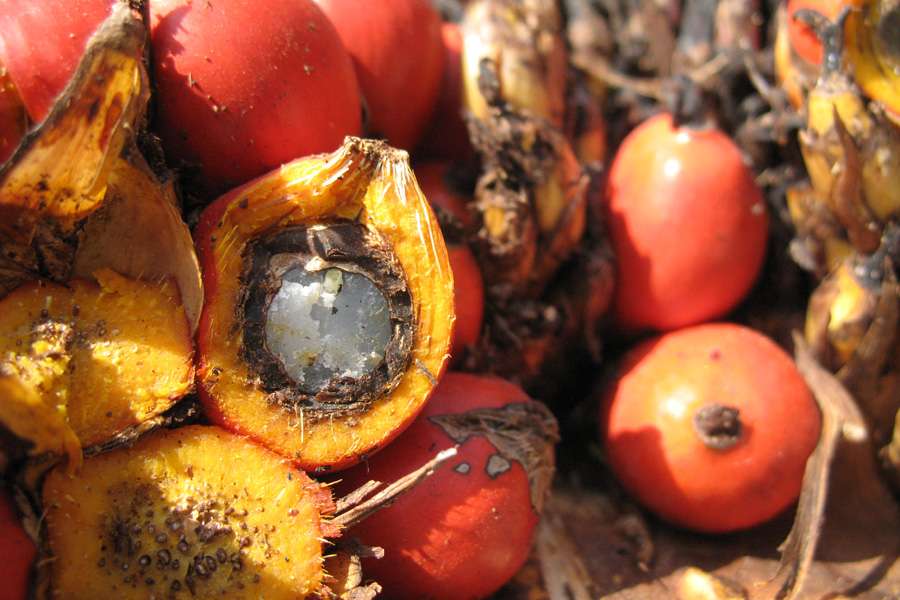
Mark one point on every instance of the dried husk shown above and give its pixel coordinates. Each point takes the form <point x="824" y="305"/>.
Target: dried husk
<point x="523" y="432"/>
<point x="344" y="573"/>
<point x="531" y="196"/>
<point x="551" y="336"/>
<point x="77" y="197"/>
<point x="58" y="175"/>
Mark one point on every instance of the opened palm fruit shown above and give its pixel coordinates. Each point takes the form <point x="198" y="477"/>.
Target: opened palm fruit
<point x="329" y="305"/>
<point x="96" y="311"/>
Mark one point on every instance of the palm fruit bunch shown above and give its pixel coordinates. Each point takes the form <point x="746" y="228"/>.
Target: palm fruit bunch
<point x="536" y="124"/>
<point x="174" y="404"/>
<point x="428" y="299"/>
<point x="847" y="216"/>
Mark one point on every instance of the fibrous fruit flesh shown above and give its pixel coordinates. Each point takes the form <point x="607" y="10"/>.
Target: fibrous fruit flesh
<point x="99" y="283"/>
<point x="176" y="516"/>
<point x="123" y="350"/>
<point x="329" y="305"/>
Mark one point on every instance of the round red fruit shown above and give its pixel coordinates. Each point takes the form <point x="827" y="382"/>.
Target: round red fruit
<point x="17" y="549"/>
<point x="803" y="39"/>
<point x="468" y="283"/>
<point x="42" y="43"/>
<point x="246" y="86"/>
<point x="398" y="55"/>
<point x="688" y="224"/>
<point x="447" y="136"/>
<point x="710" y="427"/>
<point x="467" y="529"/>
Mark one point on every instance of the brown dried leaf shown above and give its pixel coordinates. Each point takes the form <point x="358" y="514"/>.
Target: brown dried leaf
<point x="345" y="578"/>
<point x="744" y="561"/>
<point x="847" y="200"/>
<point x="840" y="418"/>
<point x="58" y="175"/>
<point x="862" y="375"/>
<point x="139" y="233"/>
<point x="565" y="574"/>
<point x="356" y="509"/>
<point x="524" y="432"/>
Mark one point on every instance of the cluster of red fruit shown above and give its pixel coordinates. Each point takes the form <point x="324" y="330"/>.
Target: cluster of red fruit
<point x="709" y="425"/>
<point x="242" y="87"/>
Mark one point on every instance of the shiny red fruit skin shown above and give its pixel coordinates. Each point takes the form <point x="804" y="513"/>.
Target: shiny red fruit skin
<point x="468" y="287"/>
<point x="447" y="136"/>
<point x="652" y="447"/>
<point x="468" y="299"/>
<point x="432" y="177"/>
<point x="42" y="43"/>
<point x="803" y="39"/>
<point x="13" y="119"/>
<point x="397" y="51"/>
<point x="688" y="225"/>
<point x="245" y="86"/>
<point x="456" y="535"/>
<point x="17" y="551"/>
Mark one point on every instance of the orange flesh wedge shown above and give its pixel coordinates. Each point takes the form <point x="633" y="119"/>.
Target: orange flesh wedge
<point x="189" y="512"/>
<point x="128" y="357"/>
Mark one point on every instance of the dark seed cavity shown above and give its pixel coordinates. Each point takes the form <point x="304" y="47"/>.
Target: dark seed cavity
<point x="350" y="248"/>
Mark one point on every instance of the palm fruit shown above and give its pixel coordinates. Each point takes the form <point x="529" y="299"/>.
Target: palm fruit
<point x="329" y="305"/>
<point x="99" y="284"/>
<point x="797" y="51"/>
<point x="197" y="511"/>
<point x="819" y="245"/>
<point x="873" y="48"/>
<point x="176" y="516"/>
<point x="531" y="196"/>
<point x="850" y="301"/>
<point x="795" y="76"/>
<point x="852" y="153"/>
<point x="848" y="217"/>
